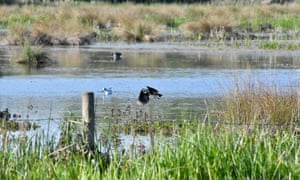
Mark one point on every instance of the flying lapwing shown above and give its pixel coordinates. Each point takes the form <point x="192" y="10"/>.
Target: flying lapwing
<point x="146" y="93"/>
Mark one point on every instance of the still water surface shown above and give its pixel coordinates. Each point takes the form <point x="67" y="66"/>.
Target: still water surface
<point x="185" y="75"/>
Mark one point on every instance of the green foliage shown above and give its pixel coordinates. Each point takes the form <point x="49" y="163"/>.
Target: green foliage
<point x="273" y="45"/>
<point x="3" y="24"/>
<point x="270" y="45"/>
<point x="29" y="54"/>
<point x="33" y="56"/>
<point x="18" y="18"/>
<point x="200" y="152"/>
<point x="216" y="154"/>
<point x="286" y="22"/>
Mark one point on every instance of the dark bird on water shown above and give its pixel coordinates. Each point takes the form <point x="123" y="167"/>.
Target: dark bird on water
<point x="117" y="56"/>
<point x="146" y="93"/>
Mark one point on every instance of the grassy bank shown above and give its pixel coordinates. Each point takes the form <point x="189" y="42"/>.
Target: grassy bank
<point x="135" y="23"/>
<point x="206" y="153"/>
<point x="217" y="154"/>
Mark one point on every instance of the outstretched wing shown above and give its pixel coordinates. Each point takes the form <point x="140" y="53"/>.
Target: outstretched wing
<point x="154" y="92"/>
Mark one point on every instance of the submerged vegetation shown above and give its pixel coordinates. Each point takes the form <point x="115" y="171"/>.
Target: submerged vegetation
<point x="73" y="24"/>
<point x="252" y="134"/>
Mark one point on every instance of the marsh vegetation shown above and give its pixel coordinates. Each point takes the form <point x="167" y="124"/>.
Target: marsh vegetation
<point x="33" y="56"/>
<point x="251" y="133"/>
<point x="79" y="24"/>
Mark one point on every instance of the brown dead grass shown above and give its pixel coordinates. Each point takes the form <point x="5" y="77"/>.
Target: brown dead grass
<point x="261" y="103"/>
<point x="208" y="24"/>
<point x="129" y="21"/>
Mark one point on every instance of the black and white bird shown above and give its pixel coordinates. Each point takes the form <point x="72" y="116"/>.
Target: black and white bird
<point x="146" y="93"/>
<point x="117" y="56"/>
<point x="107" y="91"/>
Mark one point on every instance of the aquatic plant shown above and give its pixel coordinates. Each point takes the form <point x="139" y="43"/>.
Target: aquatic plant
<point x="33" y="56"/>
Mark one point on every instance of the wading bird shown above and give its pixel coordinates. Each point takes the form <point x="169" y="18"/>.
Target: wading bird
<point x="107" y="91"/>
<point x="146" y="93"/>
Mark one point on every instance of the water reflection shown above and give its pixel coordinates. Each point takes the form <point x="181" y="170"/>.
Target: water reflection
<point x="83" y="61"/>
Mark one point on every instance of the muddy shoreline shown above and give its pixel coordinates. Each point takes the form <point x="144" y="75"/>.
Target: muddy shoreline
<point x="232" y="40"/>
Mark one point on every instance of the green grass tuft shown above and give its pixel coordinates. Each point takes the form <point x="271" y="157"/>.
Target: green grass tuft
<point x="216" y="154"/>
<point x="33" y="56"/>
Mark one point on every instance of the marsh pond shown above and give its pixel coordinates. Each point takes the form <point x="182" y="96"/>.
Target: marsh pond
<point x="187" y="75"/>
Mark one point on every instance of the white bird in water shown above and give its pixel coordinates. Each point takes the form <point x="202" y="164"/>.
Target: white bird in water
<point x="107" y="91"/>
<point x="145" y="94"/>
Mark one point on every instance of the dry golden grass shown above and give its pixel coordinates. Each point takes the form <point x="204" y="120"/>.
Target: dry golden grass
<point x="17" y="34"/>
<point x="193" y="13"/>
<point x="170" y="16"/>
<point x="139" y="30"/>
<point x="69" y="27"/>
<point x="196" y="27"/>
<point x="261" y="104"/>
<point x="209" y="24"/>
<point x="209" y="20"/>
<point x="134" y="22"/>
<point x="5" y="11"/>
<point x="248" y="12"/>
<point x="293" y="9"/>
<point x="279" y="107"/>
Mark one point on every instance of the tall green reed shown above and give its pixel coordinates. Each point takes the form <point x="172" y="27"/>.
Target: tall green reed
<point x="217" y="154"/>
<point x="200" y="152"/>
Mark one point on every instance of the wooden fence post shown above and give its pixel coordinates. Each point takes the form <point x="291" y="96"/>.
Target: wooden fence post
<point x="88" y="118"/>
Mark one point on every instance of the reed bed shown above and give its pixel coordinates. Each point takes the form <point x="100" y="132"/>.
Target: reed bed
<point x="207" y="152"/>
<point x="216" y="154"/>
<point x="128" y="22"/>
<point x="254" y="102"/>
